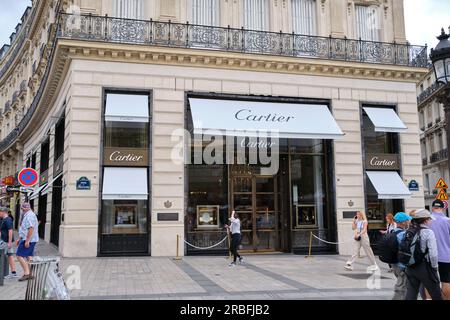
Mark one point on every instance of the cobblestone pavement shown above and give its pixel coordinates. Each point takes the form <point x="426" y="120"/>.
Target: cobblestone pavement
<point x="277" y="276"/>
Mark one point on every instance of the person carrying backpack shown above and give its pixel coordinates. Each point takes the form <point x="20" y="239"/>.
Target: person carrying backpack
<point x="418" y="252"/>
<point x="402" y="221"/>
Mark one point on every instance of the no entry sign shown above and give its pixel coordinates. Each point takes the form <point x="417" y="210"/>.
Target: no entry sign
<point x="28" y="177"/>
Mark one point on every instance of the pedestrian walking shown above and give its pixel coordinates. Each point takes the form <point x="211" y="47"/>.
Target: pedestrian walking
<point x="402" y="221"/>
<point x="235" y="229"/>
<point x="418" y="251"/>
<point x="441" y="228"/>
<point x="7" y="236"/>
<point x="28" y="237"/>
<point x="361" y="239"/>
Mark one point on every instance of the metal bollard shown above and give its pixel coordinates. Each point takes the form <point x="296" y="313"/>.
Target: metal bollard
<point x="4" y="268"/>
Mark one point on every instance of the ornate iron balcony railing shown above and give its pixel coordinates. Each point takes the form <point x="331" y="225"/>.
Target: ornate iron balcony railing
<point x="438" y="156"/>
<point x="185" y="35"/>
<point x="424" y="96"/>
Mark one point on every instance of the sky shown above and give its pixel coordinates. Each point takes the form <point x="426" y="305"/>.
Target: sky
<point x="424" y="19"/>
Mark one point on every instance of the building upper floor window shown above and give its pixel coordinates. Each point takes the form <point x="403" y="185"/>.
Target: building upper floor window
<point x="131" y="9"/>
<point x="256" y="14"/>
<point x="367" y="23"/>
<point x="304" y="17"/>
<point x="205" y="12"/>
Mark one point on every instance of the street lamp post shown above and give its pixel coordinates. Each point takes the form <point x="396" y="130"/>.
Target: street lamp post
<point x="440" y="57"/>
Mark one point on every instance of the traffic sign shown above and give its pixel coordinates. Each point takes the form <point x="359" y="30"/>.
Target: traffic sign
<point x="441" y="184"/>
<point x="28" y="177"/>
<point x="442" y="195"/>
<point x="445" y="204"/>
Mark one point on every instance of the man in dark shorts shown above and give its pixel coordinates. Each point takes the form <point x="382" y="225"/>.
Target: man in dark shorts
<point x="28" y="237"/>
<point x="7" y="236"/>
<point x="441" y="229"/>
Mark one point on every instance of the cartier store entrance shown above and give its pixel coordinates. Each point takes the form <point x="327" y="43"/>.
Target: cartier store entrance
<point x="255" y="198"/>
<point x="279" y="205"/>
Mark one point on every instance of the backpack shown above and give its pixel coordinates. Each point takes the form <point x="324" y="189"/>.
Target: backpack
<point x="410" y="253"/>
<point x="388" y="247"/>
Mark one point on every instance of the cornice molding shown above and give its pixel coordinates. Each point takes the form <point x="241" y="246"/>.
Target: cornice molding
<point x="238" y="61"/>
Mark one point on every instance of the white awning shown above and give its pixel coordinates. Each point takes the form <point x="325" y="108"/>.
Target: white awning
<point x="389" y="185"/>
<point x="48" y="187"/>
<point x="125" y="183"/>
<point x="126" y="107"/>
<point x="35" y="194"/>
<point x="385" y="120"/>
<point x="263" y="119"/>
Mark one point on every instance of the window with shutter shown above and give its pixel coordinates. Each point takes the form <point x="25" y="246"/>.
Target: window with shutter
<point x="205" y="12"/>
<point x="130" y="9"/>
<point x="304" y="17"/>
<point x="256" y="14"/>
<point x="367" y="23"/>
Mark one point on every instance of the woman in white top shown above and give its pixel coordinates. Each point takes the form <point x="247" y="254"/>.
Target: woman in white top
<point x="361" y="239"/>
<point x="235" y="229"/>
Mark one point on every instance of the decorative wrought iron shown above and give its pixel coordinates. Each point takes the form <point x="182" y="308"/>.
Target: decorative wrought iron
<point x="439" y="156"/>
<point x="104" y="28"/>
<point x="428" y="93"/>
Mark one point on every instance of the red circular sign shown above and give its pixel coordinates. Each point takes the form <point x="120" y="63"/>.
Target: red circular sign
<point x="28" y="177"/>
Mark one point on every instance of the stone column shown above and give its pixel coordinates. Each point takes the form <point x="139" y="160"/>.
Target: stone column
<point x="398" y="14"/>
<point x="338" y="18"/>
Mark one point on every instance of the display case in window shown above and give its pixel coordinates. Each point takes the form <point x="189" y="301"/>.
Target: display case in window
<point x="125" y="215"/>
<point x="306" y="216"/>
<point x="207" y="216"/>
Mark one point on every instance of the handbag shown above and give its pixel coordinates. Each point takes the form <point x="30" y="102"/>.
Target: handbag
<point x="358" y="238"/>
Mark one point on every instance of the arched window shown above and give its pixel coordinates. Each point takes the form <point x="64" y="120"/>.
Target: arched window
<point x="256" y="14"/>
<point x="205" y="12"/>
<point x="130" y="9"/>
<point x="304" y="17"/>
<point x="367" y="23"/>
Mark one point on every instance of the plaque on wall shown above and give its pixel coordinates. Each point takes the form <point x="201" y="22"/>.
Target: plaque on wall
<point x="208" y="217"/>
<point x="167" y="216"/>
<point x="306" y="216"/>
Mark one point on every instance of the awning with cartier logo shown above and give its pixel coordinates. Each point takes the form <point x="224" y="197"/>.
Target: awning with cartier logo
<point x="125" y="183"/>
<point x="263" y="119"/>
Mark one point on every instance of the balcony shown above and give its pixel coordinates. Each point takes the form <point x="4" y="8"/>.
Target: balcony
<point x="155" y="33"/>
<point x="439" y="156"/>
<point x="437" y="120"/>
<point x="428" y="93"/>
<point x="429" y="125"/>
<point x="424" y="161"/>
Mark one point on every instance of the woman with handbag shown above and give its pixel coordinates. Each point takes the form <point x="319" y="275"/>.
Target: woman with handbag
<point x="361" y="239"/>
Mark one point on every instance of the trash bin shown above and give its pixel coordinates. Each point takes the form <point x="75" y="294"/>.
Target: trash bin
<point x="4" y="267"/>
<point x="47" y="282"/>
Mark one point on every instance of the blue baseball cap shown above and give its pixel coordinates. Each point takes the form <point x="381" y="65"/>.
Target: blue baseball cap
<point x="402" y="217"/>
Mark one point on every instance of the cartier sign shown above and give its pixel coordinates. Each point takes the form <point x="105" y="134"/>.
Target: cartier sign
<point x="125" y="157"/>
<point x="382" y="162"/>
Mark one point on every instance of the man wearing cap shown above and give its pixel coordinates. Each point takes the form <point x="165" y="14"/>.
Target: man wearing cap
<point x="28" y="237"/>
<point x="7" y="236"/>
<point x="441" y="228"/>
<point x="402" y="220"/>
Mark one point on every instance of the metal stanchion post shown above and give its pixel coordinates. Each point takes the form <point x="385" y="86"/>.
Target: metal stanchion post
<point x="178" y="248"/>
<point x="229" y="244"/>
<point x="2" y="265"/>
<point x="310" y="246"/>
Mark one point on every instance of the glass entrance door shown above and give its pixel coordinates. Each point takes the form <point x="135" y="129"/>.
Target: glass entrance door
<point x="255" y="200"/>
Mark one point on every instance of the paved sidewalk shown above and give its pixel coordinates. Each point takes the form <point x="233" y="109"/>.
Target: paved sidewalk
<point x="280" y="276"/>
